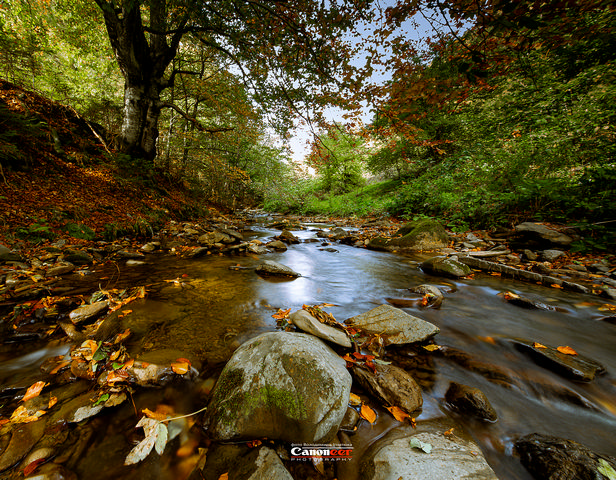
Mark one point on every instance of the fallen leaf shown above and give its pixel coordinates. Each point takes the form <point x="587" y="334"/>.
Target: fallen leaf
<point x="153" y="430"/>
<point x="368" y="414"/>
<point x="416" y="443"/>
<point x="52" y="401"/>
<point x="160" y="416"/>
<point x="448" y="432"/>
<point x="398" y="413"/>
<point x="566" y="350"/>
<point x="33" y="466"/>
<point x="180" y="367"/>
<point x="432" y="347"/>
<point x="281" y="314"/>
<point x="555" y="285"/>
<point x="120" y="337"/>
<point x="606" y="470"/>
<point x="354" y="400"/>
<point x="488" y="340"/>
<point x="21" y="415"/>
<point x="60" y="366"/>
<point x="34" y="391"/>
<point x="538" y="345"/>
<point x="224" y="476"/>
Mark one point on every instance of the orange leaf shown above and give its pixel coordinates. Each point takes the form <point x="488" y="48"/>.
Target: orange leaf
<point x="554" y="285"/>
<point x="224" y="476"/>
<point x="431" y="347"/>
<point x="129" y="364"/>
<point x="448" y="432"/>
<point x="354" y="399"/>
<point x="52" y="401"/>
<point x="116" y="376"/>
<point x="161" y="417"/>
<point x="60" y="366"/>
<point x="398" y="413"/>
<point x="180" y="367"/>
<point x="368" y="414"/>
<point x="122" y="336"/>
<point x="348" y="358"/>
<point x="488" y="340"/>
<point x="538" y="345"/>
<point x="33" y="466"/>
<point x="280" y="314"/>
<point x="34" y="390"/>
<point x="567" y="350"/>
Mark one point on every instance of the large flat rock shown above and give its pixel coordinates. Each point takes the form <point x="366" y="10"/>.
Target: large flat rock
<point x="393" y="325"/>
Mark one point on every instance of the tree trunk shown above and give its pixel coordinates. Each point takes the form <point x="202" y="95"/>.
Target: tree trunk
<point x="140" y="123"/>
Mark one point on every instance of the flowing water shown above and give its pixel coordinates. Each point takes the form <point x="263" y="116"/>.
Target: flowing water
<point x="204" y="308"/>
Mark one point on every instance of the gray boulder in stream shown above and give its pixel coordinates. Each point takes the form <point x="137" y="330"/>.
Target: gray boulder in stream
<point x="446" y="267"/>
<point x="280" y="385"/>
<point x="393" y="325"/>
<point x="269" y="267"/>
<point x="424" y="234"/>
<point x="425" y="453"/>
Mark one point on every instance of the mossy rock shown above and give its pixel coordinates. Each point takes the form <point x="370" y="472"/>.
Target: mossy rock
<point x="424" y="234"/>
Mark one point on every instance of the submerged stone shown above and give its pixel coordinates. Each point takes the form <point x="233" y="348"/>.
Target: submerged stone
<point x="446" y="266"/>
<point x="269" y="267"/>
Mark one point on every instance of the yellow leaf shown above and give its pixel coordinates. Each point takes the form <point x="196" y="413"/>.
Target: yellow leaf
<point x="448" y="432"/>
<point x="34" y="391"/>
<point x="538" y="345"/>
<point x="368" y="414"/>
<point x="398" y="413"/>
<point x="161" y="417"/>
<point x="354" y="400"/>
<point x="432" y="347"/>
<point x="52" y="401"/>
<point x="567" y="350"/>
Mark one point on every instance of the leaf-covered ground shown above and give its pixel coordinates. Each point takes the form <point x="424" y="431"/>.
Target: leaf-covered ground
<point x="58" y="176"/>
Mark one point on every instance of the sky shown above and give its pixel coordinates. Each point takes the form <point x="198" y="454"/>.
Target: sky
<point x="416" y="30"/>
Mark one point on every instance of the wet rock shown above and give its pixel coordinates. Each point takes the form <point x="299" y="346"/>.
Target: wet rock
<point x="198" y="252"/>
<point x="77" y="257"/>
<point x="470" y="401"/>
<point x="277" y="245"/>
<point x="425" y="234"/>
<point x="445" y="266"/>
<point x="309" y="324"/>
<point x="52" y="471"/>
<point x="451" y="457"/>
<point x="269" y="267"/>
<point x="61" y="268"/>
<point x="256" y="249"/>
<point x="433" y="294"/>
<point x="287" y="386"/>
<point x="126" y="254"/>
<point x="488" y="253"/>
<point x="551" y="255"/>
<point x="150" y="247"/>
<point x="287" y="237"/>
<point x="88" y="312"/>
<point x="23" y="437"/>
<point x="530" y="255"/>
<point x="213" y="238"/>
<point x="393" y="325"/>
<point x="549" y="457"/>
<point x="540" y="235"/>
<point x="576" y="367"/>
<point x="151" y="374"/>
<point x="515" y="299"/>
<point x="6" y="255"/>
<point x="338" y="233"/>
<point x="611" y="319"/>
<point x="391" y="385"/>
<point x="492" y="372"/>
<point x="350" y="420"/>
<point x="261" y="464"/>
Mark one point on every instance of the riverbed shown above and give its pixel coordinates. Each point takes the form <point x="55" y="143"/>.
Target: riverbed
<point x="203" y="308"/>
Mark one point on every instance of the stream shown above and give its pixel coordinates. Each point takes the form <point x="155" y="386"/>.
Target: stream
<point x="203" y="308"/>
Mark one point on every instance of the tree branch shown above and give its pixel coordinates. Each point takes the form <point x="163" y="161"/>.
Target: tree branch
<point x="196" y="122"/>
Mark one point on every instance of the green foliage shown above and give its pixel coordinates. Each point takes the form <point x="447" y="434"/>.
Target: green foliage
<point x="77" y="230"/>
<point x="36" y="232"/>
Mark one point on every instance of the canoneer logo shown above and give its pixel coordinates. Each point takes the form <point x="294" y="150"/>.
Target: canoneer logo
<point x="324" y="452"/>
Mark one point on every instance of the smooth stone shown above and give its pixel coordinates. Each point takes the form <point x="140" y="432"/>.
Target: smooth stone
<point x="277" y="245"/>
<point x="86" y="312"/>
<point x="60" y="269"/>
<point x="446" y="266"/>
<point x="452" y="458"/>
<point x="471" y="401"/>
<point x="536" y="231"/>
<point x="393" y="325"/>
<point x="306" y="322"/>
<point x="551" y="255"/>
<point x="23" y="437"/>
<point x="269" y="267"/>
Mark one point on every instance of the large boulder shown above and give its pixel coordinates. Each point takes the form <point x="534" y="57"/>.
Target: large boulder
<point x="470" y="401"/>
<point x="269" y="267"/>
<point x="419" y="235"/>
<point x="309" y="324"/>
<point x="280" y="385"/>
<point x="403" y="453"/>
<point x="393" y="325"/>
<point x="546" y="456"/>
<point x="529" y="234"/>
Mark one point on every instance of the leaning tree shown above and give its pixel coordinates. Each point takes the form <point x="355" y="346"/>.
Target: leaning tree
<point x="289" y="53"/>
